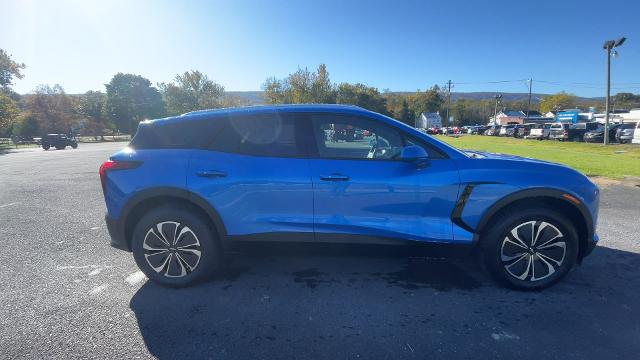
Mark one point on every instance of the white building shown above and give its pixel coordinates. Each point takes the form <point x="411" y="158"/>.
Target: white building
<point x="429" y="120"/>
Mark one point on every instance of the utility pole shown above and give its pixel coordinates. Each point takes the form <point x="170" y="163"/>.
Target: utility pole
<point x="448" y="100"/>
<point x="606" y="100"/>
<point x="529" y="106"/>
<point x="609" y="45"/>
<point x="495" y="111"/>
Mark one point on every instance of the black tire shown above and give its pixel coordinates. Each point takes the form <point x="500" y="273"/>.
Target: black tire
<point x="74" y="146"/>
<point x="509" y="263"/>
<point x="46" y="146"/>
<point x="182" y="267"/>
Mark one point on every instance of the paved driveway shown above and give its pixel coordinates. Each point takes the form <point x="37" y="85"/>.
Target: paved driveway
<point x="66" y="294"/>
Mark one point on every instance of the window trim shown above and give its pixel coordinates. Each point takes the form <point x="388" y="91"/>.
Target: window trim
<point x="314" y="153"/>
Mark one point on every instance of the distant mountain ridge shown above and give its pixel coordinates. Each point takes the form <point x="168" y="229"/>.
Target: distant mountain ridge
<point x="255" y="97"/>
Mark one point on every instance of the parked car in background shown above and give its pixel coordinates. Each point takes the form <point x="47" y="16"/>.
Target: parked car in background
<point x="597" y="135"/>
<point x="624" y="133"/>
<point x="479" y="130"/>
<point x="58" y="141"/>
<point x="506" y="130"/>
<point x="492" y="130"/>
<point x="522" y="130"/>
<point x="269" y="173"/>
<point x="539" y="131"/>
<point x="568" y="131"/>
<point x="636" y="134"/>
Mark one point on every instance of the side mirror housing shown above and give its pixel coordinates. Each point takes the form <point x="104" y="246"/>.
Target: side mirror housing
<point x="415" y="154"/>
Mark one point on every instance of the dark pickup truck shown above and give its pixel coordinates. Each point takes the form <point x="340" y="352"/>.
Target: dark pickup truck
<point x="573" y="132"/>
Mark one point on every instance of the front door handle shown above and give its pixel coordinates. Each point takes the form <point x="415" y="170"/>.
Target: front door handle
<point x="211" y="174"/>
<point x="334" y="177"/>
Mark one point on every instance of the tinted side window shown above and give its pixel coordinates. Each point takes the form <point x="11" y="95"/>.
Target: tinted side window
<point x="186" y="134"/>
<point x="273" y="135"/>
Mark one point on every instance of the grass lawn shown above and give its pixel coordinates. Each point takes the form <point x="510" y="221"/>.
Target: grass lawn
<point x="613" y="161"/>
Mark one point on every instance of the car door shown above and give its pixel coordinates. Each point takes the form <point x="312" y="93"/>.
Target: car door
<point x="362" y="188"/>
<point x="255" y="173"/>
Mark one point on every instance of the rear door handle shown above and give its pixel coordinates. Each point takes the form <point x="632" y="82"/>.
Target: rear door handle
<point x="334" y="177"/>
<point x="211" y="174"/>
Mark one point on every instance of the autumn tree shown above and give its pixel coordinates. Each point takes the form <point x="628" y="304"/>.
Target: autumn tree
<point x="559" y="101"/>
<point x="52" y="108"/>
<point x="9" y="69"/>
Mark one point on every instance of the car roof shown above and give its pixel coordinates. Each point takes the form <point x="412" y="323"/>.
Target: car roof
<point x="267" y="109"/>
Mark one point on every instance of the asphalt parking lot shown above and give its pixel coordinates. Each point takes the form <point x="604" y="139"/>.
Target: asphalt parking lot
<point x="66" y="294"/>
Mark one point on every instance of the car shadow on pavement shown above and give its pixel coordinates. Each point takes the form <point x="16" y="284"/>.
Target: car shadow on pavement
<point x="331" y="303"/>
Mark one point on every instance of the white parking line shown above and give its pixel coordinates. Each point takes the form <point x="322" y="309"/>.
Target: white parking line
<point x="66" y="267"/>
<point x="95" y="271"/>
<point x="98" y="289"/>
<point x="135" y="278"/>
<point x="9" y="204"/>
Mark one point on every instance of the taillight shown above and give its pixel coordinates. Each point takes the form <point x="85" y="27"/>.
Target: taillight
<point x="111" y="165"/>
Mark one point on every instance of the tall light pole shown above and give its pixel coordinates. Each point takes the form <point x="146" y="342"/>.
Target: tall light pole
<point x="609" y="45"/>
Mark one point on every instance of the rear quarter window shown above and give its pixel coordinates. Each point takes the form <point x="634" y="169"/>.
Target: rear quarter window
<point x="272" y="135"/>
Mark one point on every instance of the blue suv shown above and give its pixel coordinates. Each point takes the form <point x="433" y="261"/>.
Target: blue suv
<point x="189" y="187"/>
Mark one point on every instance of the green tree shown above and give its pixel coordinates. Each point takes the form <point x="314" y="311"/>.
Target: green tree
<point x="26" y="125"/>
<point x="9" y="69"/>
<point x="361" y="95"/>
<point x="192" y="91"/>
<point x="301" y="87"/>
<point x="131" y="99"/>
<point x="427" y="101"/>
<point x="92" y="106"/>
<point x="405" y="114"/>
<point x="53" y="108"/>
<point x="8" y="114"/>
<point x="559" y="101"/>
<point x="626" y="101"/>
<point x="9" y="111"/>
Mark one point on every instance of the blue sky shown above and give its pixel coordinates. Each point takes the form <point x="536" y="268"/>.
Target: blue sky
<point x="396" y="45"/>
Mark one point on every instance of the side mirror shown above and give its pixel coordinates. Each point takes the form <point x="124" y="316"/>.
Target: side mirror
<point x="415" y="154"/>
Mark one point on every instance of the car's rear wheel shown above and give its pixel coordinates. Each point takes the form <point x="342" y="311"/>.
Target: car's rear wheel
<point x="46" y="146"/>
<point x="531" y="249"/>
<point x="175" y="247"/>
<point x="74" y="146"/>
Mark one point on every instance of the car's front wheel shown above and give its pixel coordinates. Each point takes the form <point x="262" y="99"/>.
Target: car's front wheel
<point x="175" y="247"/>
<point x="530" y="249"/>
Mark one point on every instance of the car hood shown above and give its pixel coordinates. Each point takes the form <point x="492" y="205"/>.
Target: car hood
<point x="488" y="155"/>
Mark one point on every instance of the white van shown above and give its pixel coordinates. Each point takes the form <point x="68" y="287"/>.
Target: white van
<point x="636" y="134"/>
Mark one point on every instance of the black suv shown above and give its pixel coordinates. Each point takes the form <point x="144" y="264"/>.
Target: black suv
<point x="58" y="141"/>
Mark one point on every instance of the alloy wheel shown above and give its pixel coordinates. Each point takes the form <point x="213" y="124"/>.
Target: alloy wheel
<point x="171" y="249"/>
<point x="533" y="251"/>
